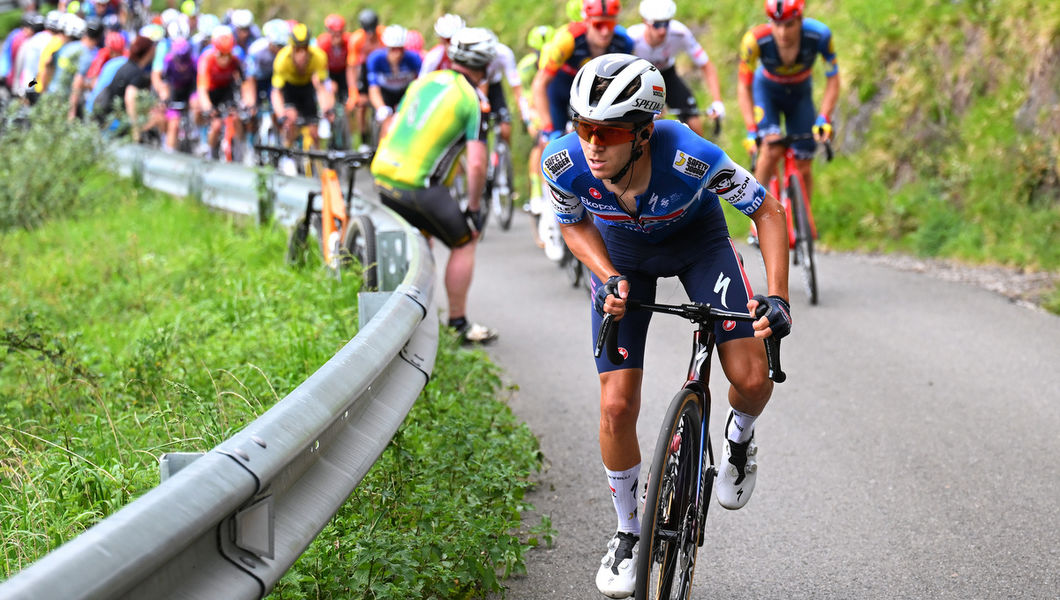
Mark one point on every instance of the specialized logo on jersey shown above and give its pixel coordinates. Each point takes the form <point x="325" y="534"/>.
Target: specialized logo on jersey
<point x="558" y="164"/>
<point x="690" y="165"/>
<point x="595" y="193"/>
<point x="722" y="183"/>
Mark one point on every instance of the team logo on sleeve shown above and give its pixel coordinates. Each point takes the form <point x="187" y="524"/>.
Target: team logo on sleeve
<point x="595" y="193"/>
<point x="557" y="164"/>
<point x="690" y="165"/>
<point x="722" y="182"/>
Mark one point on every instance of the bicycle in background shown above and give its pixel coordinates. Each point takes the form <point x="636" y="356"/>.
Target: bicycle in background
<point x="339" y="230"/>
<point x="802" y="230"/>
<point x="681" y="480"/>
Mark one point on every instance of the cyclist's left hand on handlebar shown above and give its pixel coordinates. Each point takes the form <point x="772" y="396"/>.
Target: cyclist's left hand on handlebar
<point x="822" y="129"/>
<point x="750" y="143"/>
<point x="717" y="110"/>
<point x="611" y="296"/>
<point x="775" y="321"/>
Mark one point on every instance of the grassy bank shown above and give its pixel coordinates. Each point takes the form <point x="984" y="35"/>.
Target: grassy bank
<point x="133" y="324"/>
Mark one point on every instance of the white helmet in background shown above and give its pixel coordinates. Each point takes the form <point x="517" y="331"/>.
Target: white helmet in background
<point x="634" y="92"/>
<point x="394" y="36"/>
<point x="447" y="25"/>
<point x="73" y="26"/>
<point x="179" y="29"/>
<point x="473" y="47"/>
<point x="277" y="31"/>
<point x="242" y="18"/>
<point x="207" y="23"/>
<point x="657" y="10"/>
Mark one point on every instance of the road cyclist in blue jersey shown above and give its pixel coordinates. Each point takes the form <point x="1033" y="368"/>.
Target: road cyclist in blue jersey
<point x="639" y="199"/>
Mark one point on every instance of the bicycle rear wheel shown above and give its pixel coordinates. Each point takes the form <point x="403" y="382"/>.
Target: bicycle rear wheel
<point x="804" y="254"/>
<point x="304" y="240"/>
<point x="670" y="523"/>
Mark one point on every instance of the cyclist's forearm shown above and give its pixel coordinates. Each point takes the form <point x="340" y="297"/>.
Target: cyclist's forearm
<point x="539" y="92"/>
<point x="375" y="96"/>
<point x="745" y="101"/>
<point x="771" y="222"/>
<point x="585" y="243"/>
<point x="476" y="173"/>
<point x="710" y="77"/>
<point x="831" y="96"/>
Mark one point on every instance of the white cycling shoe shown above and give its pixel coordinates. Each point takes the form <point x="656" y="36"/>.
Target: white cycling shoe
<point x="618" y="568"/>
<point x="738" y="471"/>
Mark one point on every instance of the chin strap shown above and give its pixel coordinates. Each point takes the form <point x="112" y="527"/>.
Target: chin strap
<point x="633" y="156"/>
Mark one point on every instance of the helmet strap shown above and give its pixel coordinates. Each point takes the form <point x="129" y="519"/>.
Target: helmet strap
<point x="635" y="152"/>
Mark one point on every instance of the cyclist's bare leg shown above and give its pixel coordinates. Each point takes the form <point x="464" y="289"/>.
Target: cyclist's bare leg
<point x="290" y="115"/>
<point x="458" y="278"/>
<point x="214" y="135"/>
<point x="171" y="132"/>
<point x="744" y="363"/>
<point x="619" y="409"/>
<point x="506" y="132"/>
<point x="806" y="170"/>
<point x="769" y="156"/>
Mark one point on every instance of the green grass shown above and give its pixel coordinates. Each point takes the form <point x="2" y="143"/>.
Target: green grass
<point x="147" y="325"/>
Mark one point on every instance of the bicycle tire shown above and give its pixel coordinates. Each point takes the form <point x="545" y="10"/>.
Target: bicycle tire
<point x="503" y="187"/>
<point x="804" y="250"/>
<point x="669" y="537"/>
<point x="298" y="241"/>
<point x="359" y="245"/>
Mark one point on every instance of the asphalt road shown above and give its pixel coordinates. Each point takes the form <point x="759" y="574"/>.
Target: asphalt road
<point x="912" y="453"/>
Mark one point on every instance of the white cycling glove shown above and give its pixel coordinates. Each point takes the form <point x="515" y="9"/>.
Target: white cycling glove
<point x="383" y="112"/>
<point x="718" y="109"/>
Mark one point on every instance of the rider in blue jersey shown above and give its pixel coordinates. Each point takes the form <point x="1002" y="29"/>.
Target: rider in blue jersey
<point x="639" y="199"/>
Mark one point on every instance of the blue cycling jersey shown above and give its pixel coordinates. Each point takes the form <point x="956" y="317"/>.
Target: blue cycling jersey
<point x="689" y="176"/>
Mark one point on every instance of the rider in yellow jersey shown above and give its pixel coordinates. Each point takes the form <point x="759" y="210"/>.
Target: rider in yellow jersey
<point x="299" y="83"/>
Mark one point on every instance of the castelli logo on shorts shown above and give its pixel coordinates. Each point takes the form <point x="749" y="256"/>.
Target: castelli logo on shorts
<point x="595" y="193"/>
<point x="623" y="352"/>
<point x="728" y="325"/>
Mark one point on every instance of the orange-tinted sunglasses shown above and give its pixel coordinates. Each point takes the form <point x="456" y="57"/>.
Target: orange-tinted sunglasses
<point x="604" y="135"/>
<point x="603" y="24"/>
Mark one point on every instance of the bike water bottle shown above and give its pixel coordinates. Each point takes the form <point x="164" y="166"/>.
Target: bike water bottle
<point x="324" y="129"/>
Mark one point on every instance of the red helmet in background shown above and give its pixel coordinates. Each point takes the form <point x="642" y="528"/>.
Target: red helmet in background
<point x="782" y="10"/>
<point x="607" y="9"/>
<point x="335" y="22"/>
<point x="115" y="42"/>
<point x="224" y="43"/>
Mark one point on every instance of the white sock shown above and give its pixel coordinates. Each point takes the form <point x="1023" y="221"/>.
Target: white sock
<point x="624" y="495"/>
<point x="741" y="427"/>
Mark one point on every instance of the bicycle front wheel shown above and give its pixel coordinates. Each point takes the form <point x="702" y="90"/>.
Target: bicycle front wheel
<point x="803" y="238"/>
<point x="669" y="526"/>
<point x="503" y="187"/>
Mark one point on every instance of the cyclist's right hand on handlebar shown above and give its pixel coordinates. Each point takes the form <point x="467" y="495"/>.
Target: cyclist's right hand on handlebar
<point x="775" y="316"/>
<point x="612" y="295"/>
<point x="750" y="143"/>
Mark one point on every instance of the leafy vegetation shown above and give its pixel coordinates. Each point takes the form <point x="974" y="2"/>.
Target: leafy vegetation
<point x="948" y="127"/>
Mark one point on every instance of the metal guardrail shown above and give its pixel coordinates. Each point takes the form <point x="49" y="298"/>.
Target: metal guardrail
<point x="230" y="523"/>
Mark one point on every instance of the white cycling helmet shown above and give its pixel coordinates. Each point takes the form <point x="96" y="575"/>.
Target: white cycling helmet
<point x="634" y="90"/>
<point x="473" y="47"/>
<point x="179" y="29"/>
<point x="169" y="15"/>
<point x="277" y="31"/>
<point x="73" y="26"/>
<point x="394" y="36"/>
<point x="207" y="23"/>
<point x="447" y="25"/>
<point x="657" y="10"/>
<point x="242" y="18"/>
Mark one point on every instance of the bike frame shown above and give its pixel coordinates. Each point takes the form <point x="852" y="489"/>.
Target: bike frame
<point x="789" y="169"/>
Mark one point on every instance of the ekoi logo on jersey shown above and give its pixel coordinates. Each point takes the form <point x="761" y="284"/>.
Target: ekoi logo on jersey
<point x="722" y="183"/>
<point x="690" y="165"/>
<point x="557" y="164"/>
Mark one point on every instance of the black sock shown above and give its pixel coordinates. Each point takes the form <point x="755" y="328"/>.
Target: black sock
<point x="458" y="323"/>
